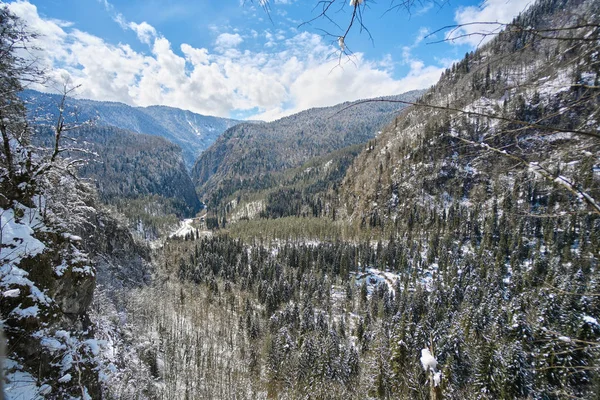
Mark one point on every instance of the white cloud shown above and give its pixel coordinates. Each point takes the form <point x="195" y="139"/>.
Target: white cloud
<point x="298" y="73"/>
<point x="502" y="11"/>
<point x="145" y="32"/>
<point x="228" y="40"/>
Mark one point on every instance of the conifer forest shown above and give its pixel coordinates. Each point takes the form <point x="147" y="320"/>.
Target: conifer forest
<point x="440" y="243"/>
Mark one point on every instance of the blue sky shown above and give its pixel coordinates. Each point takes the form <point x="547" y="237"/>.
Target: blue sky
<point x="228" y="58"/>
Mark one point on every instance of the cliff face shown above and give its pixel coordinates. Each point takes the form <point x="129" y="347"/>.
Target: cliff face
<point x="47" y="285"/>
<point x="56" y="246"/>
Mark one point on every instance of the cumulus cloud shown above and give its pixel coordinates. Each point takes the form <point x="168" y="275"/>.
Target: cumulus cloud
<point x="298" y="73"/>
<point x="145" y="32"/>
<point x="502" y="11"/>
<point x="228" y="40"/>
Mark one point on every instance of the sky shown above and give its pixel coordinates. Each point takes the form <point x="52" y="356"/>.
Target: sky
<point x="231" y="58"/>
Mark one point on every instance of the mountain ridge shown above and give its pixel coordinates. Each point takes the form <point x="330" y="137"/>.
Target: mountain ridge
<point x="248" y="157"/>
<point x="168" y="122"/>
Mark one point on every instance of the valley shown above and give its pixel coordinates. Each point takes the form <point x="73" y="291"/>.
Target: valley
<point x="435" y="244"/>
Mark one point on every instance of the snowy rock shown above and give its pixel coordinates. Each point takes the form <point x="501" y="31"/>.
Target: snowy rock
<point x="12" y="293"/>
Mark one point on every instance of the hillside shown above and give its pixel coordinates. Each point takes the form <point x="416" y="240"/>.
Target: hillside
<point x="250" y="158"/>
<point x="190" y="131"/>
<point x="489" y="189"/>
<point x="494" y="124"/>
<point x="58" y="244"/>
<point x="141" y="176"/>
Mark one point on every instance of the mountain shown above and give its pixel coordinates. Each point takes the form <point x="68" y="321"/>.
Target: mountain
<point x="518" y="113"/>
<point x="253" y="157"/>
<point x="488" y="192"/>
<point x="142" y="176"/>
<point x="190" y="131"/>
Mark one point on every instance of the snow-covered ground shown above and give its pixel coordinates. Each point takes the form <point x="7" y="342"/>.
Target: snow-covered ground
<point x="187" y="227"/>
<point x="184" y="229"/>
<point x="374" y="277"/>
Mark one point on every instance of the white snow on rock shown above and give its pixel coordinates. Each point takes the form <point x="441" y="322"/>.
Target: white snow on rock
<point x="29" y="312"/>
<point x="12" y="293"/>
<point x="11" y="275"/>
<point x="20" y="235"/>
<point x="20" y="385"/>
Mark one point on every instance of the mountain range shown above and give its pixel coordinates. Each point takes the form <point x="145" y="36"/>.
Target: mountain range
<point x="192" y="132"/>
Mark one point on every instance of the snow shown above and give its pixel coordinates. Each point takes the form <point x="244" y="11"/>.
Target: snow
<point x="25" y="313"/>
<point x="45" y="389"/>
<point x="437" y="378"/>
<point x="186" y="228"/>
<point x="428" y="361"/>
<point x="53" y="345"/>
<point x="66" y="378"/>
<point x="20" y="234"/>
<point x="94" y="345"/>
<point x="374" y="277"/>
<point x="20" y="385"/>
<point x="560" y="83"/>
<point x="11" y="275"/>
<point x="72" y="238"/>
<point x="60" y="270"/>
<point x="12" y="293"/>
<point x="591" y="320"/>
<point x="564" y="339"/>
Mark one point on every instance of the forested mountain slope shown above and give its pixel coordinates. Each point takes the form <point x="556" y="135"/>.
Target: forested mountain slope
<point x="489" y="187"/>
<point x="252" y="157"/>
<point x="142" y="176"/>
<point x="190" y="131"/>
<point x="531" y="93"/>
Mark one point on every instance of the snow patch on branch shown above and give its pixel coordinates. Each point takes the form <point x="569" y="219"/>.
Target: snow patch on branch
<point x="428" y="361"/>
